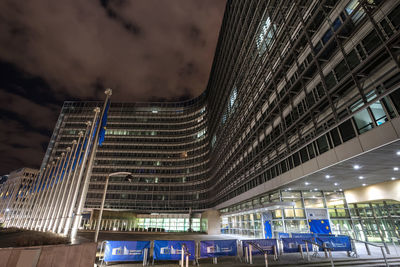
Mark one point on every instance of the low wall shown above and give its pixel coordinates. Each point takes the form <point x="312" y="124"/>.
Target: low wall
<point x="48" y="256"/>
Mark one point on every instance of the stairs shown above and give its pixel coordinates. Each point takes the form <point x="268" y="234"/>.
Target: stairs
<point x="354" y="262"/>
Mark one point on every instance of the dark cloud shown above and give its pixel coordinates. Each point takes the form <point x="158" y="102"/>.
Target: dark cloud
<point x="129" y="26"/>
<point x="51" y="51"/>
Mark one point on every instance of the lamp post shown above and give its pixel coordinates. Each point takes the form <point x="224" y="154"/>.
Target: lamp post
<point x="96" y="235"/>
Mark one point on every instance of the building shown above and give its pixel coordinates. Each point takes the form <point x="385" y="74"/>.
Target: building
<point x="299" y="125"/>
<point x="14" y="189"/>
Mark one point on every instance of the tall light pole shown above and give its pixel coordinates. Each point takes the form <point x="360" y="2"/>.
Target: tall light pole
<point x="96" y="234"/>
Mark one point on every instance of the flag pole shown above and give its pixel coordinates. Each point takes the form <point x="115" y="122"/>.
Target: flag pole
<point x="85" y="187"/>
<point x="63" y="186"/>
<point x="81" y="171"/>
<point x="80" y="168"/>
<point x="76" y="182"/>
<point x="35" y="194"/>
<point x="50" y="201"/>
<point x="78" y="152"/>
<point x="40" y="195"/>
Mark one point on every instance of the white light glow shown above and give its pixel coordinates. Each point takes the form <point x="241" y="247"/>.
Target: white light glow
<point x="316" y="189"/>
<point x="396" y="169"/>
<point x="360" y="177"/>
<point x="306" y="183"/>
<point x="336" y="184"/>
<point x="393" y="178"/>
<point x="327" y="176"/>
<point x="398" y="153"/>
<point x="356" y="167"/>
<point x="364" y="184"/>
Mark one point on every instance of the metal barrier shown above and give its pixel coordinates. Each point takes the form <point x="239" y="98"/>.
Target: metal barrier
<point x="367" y="244"/>
<point x="184" y="256"/>
<point x="124" y="251"/>
<point x="394" y="244"/>
<point x="326" y="250"/>
<point x="249" y="253"/>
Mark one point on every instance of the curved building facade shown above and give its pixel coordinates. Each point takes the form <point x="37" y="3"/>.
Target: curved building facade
<point x="163" y="145"/>
<point x="298" y="92"/>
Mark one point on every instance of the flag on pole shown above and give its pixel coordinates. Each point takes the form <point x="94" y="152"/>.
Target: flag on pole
<point x="77" y="156"/>
<point x="48" y="177"/>
<point x="103" y="124"/>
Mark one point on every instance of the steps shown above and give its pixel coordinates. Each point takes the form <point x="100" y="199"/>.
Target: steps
<point x="393" y="261"/>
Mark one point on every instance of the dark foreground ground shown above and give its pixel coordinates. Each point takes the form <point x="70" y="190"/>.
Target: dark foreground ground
<point x="12" y="237"/>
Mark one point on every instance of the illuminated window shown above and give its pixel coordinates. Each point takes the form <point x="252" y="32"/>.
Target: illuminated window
<point x="356" y="15"/>
<point x="265" y="37"/>
<point x="213" y="140"/>
<point x="201" y="133"/>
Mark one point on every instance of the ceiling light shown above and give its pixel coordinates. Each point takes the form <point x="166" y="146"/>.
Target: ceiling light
<point x="306" y="183"/>
<point x="364" y="184"/>
<point x="393" y="178"/>
<point x="356" y="167"/>
<point x="316" y="189"/>
<point x="336" y="184"/>
<point x="360" y="177"/>
<point x="398" y="153"/>
<point x="327" y="176"/>
<point x="396" y="169"/>
<point x="289" y="189"/>
<point x="340" y="189"/>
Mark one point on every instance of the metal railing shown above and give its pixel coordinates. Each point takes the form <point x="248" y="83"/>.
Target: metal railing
<point x="393" y="239"/>
<point x="249" y="252"/>
<point x="184" y="256"/>
<point x="327" y="250"/>
<point x="367" y="244"/>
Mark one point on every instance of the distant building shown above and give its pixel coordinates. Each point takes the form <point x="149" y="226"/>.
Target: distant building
<point x="13" y="191"/>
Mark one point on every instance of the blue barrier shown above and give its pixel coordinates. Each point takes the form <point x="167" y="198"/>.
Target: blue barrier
<point x="335" y="243"/>
<point x="291" y="245"/>
<point x="302" y="235"/>
<point x="218" y="248"/>
<point x="125" y="250"/>
<point x="283" y="235"/>
<point x="171" y="249"/>
<point x="265" y="244"/>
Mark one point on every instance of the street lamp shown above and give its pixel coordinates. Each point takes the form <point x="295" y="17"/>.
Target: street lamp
<point x="96" y="235"/>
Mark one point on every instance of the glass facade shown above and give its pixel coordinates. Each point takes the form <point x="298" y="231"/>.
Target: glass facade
<point x="373" y="221"/>
<point x="295" y="94"/>
<point x="290" y="81"/>
<point x="148" y="223"/>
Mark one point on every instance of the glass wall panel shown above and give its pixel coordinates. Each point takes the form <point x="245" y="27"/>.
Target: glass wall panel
<point x="363" y="121"/>
<point x="378" y="112"/>
<point x="296" y="226"/>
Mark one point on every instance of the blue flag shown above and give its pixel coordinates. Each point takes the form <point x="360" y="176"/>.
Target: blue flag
<point x="77" y="156"/>
<point x="47" y="179"/>
<point x="103" y="124"/>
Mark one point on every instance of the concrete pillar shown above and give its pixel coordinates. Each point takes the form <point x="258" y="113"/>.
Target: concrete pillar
<point x="213" y="219"/>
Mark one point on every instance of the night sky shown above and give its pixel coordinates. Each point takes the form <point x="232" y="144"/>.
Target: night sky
<point x="52" y="51"/>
